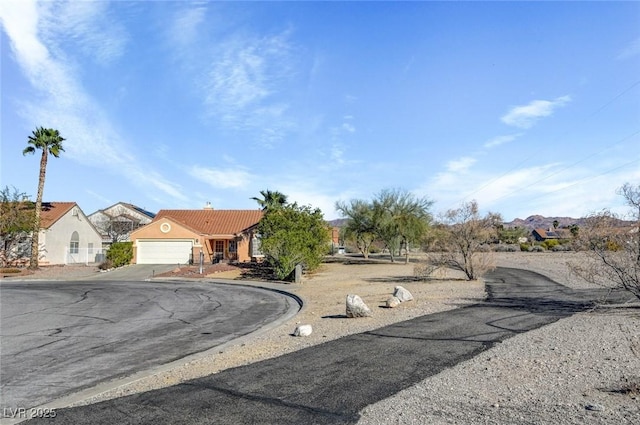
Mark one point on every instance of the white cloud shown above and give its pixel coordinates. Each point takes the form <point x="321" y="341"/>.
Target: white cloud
<point x="64" y="104"/>
<point x="184" y="28"/>
<point x="526" y="116"/>
<point x="631" y="50"/>
<point x="501" y="140"/>
<point x="221" y="178"/>
<point x="460" y="165"/>
<point x="349" y="128"/>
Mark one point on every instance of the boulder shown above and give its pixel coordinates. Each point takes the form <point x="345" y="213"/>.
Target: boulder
<point x="402" y="294"/>
<point x="393" y="302"/>
<point x="356" y="307"/>
<point x="303" y="330"/>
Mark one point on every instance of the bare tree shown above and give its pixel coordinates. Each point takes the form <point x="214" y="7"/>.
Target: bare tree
<point x="117" y="224"/>
<point x="613" y="246"/>
<point x="463" y="232"/>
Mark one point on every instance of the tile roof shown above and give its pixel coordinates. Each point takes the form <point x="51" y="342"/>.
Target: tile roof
<point x="53" y="211"/>
<point x="213" y="222"/>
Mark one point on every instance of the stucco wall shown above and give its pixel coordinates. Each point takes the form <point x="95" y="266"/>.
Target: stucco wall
<point x="55" y="241"/>
<point x="165" y="229"/>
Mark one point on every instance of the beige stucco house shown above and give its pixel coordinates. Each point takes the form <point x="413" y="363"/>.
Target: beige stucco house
<point x="179" y="236"/>
<point x="67" y="236"/>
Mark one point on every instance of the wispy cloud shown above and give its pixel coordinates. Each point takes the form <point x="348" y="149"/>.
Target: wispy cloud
<point x="184" y="28"/>
<point x="631" y="50"/>
<point x="501" y="140"/>
<point x="460" y="165"/>
<point x="63" y="102"/>
<point x="526" y="116"/>
<point x="242" y="82"/>
<point x="221" y="178"/>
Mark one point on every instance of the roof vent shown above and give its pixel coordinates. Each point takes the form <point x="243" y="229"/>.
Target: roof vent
<point x="208" y="206"/>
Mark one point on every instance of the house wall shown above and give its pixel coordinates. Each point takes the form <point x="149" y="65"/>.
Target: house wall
<point x="166" y="229"/>
<point x="56" y="240"/>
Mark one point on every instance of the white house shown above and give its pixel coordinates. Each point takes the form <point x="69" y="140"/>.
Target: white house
<point x="67" y="236"/>
<point x="116" y="222"/>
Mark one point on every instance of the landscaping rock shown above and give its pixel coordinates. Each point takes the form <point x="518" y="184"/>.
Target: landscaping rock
<point x="303" y="330"/>
<point x="402" y="294"/>
<point x="356" y="307"/>
<point x="393" y="302"/>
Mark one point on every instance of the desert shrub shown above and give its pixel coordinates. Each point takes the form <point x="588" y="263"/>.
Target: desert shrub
<point x="105" y="265"/>
<point x="525" y="247"/>
<point x="536" y="248"/>
<point x="561" y="248"/>
<point x="424" y="269"/>
<point x="120" y="253"/>
<point x="10" y="270"/>
<point x="505" y="248"/>
<point x="548" y="244"/>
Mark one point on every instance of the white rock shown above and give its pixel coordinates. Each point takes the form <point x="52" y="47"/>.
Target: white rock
<point x="303" y="330"/>
<point x="402" y="294"/>
<point x="393" y="302"/>
<point x="356" y="307"/>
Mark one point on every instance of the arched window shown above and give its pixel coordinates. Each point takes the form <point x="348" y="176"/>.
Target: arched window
<point x="74" y="245"/>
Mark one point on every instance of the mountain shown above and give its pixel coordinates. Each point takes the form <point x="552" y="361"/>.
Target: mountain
<point x="540" y="222"/>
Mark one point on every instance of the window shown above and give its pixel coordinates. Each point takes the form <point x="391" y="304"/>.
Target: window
<point x="256" y="250"/>
<point x="219" y="246"/>
<point x="74" y="245"/>
<point x="233" y="246"/>
<point x="90" y="248"/>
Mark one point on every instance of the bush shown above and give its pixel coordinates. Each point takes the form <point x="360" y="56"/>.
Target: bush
<point x="561" y="248"/>
<point x="549" y="244"/>
<point x="120" y="253"/>
<point x="106" y="265"/>
<point x="10" y="270"/>
<point x="525" y="247"/>
<point x="536" y="248"/>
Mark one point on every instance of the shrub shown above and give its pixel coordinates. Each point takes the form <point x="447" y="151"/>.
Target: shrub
<point x="561" y="248"/>
<point x="525" y="247"/>
<point x="106" y="265"/>
<point x="536" y="248"/>
<point x="120" y="253"/>
<point x="548" y="244"/>
<point x="10" y="270"/>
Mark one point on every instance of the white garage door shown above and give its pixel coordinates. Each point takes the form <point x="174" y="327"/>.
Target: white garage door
<point x="163" y="252"/>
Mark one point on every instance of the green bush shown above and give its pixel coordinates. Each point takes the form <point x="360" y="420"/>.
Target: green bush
<point x="550" y="243"/>
<point x="525" y="247"/>
<point x="120" y="253"/>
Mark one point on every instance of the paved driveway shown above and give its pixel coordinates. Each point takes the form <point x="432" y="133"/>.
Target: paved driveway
<point x="59" y="337"/>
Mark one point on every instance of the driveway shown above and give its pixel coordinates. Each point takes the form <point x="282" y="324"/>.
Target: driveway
<point x="61" y="337"/>
<point x="332" y="382"/>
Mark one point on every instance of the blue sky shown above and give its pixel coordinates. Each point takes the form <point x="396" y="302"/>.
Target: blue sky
<point x="526" y="107"/>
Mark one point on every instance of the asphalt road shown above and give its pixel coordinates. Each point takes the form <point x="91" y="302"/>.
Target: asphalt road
<point x="332" y="382"/>
<point x="61" y="337"/>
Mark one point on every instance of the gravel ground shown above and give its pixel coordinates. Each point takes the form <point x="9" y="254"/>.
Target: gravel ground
<point x="581" y="370"/>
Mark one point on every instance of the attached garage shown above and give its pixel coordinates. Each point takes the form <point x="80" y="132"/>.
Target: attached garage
<point x="164" y="251"/>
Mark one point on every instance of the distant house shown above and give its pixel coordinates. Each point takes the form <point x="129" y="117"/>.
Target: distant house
<point x="116" y="222"/>
<point x="542" y="235"/>
<point x="179" y="236"/>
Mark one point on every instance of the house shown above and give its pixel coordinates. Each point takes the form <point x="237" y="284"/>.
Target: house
<point x="116" y="222"/>
<point x="180" y="236"/>
<point x="67" y="236"/>
<point x="542" y="235"/>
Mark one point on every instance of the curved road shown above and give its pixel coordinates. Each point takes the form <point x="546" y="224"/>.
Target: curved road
<point x="60" y="337"/>
<point x="332" y="382"/>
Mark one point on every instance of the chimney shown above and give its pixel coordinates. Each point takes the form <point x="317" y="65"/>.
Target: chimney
<point x="208" y="206"/>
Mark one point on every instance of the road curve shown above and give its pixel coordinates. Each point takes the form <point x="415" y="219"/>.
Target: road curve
<point x="61" y="337"/>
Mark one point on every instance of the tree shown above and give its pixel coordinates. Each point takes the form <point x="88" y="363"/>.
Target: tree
<point x="292" y="235"/>
<point x="361" y="224"/>
<point x="117" y="224"/>
<point x="613" y="246"/>
<point x="48" y="141"/>
<point x="271" y="199"/>
<point x="16" y="221"/>
<point x="402" y="219"/>
<point x="464" y="232"/>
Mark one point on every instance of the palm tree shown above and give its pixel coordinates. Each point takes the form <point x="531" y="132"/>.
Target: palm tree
<point x="271" y="199"/>
<point x="50" y="142"/>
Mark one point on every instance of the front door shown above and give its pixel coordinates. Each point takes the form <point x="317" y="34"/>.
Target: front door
<point x="218" y="251"/>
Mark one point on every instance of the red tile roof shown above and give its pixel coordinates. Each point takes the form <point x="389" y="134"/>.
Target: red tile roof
<point x="53" y="211"/>
<point x="213" y="222"/>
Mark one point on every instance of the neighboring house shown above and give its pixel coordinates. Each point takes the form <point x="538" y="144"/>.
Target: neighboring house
<point x="542" y="235"/>
<point x="116" y="222"/>
<point x="179" y="236"/>
<point x="67" y="236"/>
